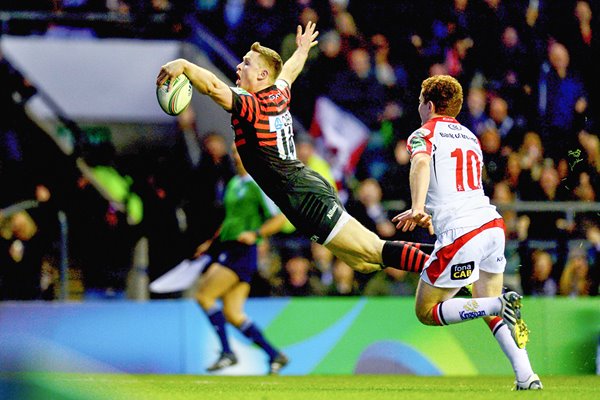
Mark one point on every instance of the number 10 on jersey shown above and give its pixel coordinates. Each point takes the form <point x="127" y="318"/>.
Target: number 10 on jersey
<point x="468" y="164"/>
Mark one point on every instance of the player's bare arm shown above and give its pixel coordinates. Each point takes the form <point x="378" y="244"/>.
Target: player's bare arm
<point x="203" y="80"/>
<point x="305" y="40"/>
<point x="419" y="183"/>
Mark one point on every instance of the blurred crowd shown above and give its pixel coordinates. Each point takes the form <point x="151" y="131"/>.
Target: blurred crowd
<point x="529" y="95"/>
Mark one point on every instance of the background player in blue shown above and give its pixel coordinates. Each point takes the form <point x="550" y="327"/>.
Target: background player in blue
<point x="262" y="124"/>
<point x="249" y="216"/>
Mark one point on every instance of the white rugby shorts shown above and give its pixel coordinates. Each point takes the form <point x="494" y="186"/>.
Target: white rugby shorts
<point x="459" y="254"/>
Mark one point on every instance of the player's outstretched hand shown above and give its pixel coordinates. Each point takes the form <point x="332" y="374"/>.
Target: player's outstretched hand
<point x="170" y="71"/>
<point x="410" y="219"/>
<point x="306" y="40"/>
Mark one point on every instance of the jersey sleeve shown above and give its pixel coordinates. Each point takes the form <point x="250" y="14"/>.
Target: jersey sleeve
<point x="420" y="141"/>
<point x="245" y="105"/>
<point x="284" y="87"/>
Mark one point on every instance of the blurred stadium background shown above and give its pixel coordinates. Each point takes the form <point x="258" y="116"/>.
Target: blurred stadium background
<point x="101" y="192"/>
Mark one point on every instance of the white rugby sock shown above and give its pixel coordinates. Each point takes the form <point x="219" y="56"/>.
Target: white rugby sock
<point x="457" y="310"/>
<point x="519" y="359"/>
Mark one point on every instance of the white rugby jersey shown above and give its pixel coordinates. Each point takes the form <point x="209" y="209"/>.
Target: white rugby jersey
<point x="455" y="198"/>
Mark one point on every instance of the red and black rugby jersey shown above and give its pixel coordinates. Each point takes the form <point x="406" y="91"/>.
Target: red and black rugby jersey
<point x="264" y="135"/>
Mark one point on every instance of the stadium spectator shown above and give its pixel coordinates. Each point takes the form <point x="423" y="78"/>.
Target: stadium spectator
<point x="593" y="237"/>
<point x="391" y="282"/>
<point x="394" y="182"/>
<point x="535" y="269"/>
<point x="474" y="114"/>
<point x="303" y="87"/>
<point x="298" y="280"/>
<point x="495" y="160"/>
<point x="343" y="283"/>
<point x="470" y="237"/>
<point x="514" y="74"/>
<point x="22" y="251"/>
<point x="502" y="195"/>
<point x="562" y="102"/>
<point x="510" y="128"/>
<point x="547" y="187"/>
<point x="165" y="223"/>
<point x="366" y="207"/>
<point x="458" y="58"/>
<point x="203" y="199"/>
<point x="263" y="21"/>
<point x="580" y="34"/>
<point x="391" y="71"/>
<point x="489" y="17"/>
<point x="109" y="220"/>
<point x="576" y="279"/>
<point x="357" y="90"/>
<point x="586" y="160"/>
<point x="249" y="217"/>
<point x="328" y="64"/>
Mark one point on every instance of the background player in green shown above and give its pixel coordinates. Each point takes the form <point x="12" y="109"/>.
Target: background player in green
<point x="249" y="216"/>
<point x="262" y="124"/>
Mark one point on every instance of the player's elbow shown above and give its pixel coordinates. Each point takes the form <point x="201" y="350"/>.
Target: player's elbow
<point x="421" y="160"/>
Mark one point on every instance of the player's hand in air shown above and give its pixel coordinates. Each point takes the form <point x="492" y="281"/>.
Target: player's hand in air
<point x="306" y="40"/>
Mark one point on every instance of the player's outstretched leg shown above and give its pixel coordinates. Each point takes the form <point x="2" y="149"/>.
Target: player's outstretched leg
<point x="511" y="314"/>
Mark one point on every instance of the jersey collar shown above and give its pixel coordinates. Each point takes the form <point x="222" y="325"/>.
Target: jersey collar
<point x="443" y="118"/>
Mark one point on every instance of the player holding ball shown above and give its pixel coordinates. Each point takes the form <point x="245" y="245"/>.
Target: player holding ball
<point x="259" y="106"/>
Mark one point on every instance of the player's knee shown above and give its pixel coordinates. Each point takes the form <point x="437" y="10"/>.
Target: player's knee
<point x="234" y="317"/>
<point x="206" y="302"/>
<point x="425" y="315"/>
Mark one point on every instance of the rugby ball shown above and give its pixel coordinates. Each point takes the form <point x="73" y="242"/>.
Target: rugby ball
<point x="174" y="101"/>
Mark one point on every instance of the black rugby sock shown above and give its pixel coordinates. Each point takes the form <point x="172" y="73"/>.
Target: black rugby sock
<point x="424" y="247"/>
<point x="403" y="256"/>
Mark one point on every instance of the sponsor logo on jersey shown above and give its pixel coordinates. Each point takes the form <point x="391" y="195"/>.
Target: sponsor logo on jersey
<point x="417" y="143"/>
<point x="274" y="96"/>
<point x="471" y="310"/>
<point x="240" y="91"/>
<point x="455" y="127"/>
<point x="422" y="132"/>
<point x="278" y="122"/>
<point x="461" y="271"/>
<point x="500" y="259"/>
<point x="332" y="211"/>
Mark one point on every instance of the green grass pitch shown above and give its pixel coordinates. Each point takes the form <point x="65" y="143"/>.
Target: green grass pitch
<point x="63" y="386"/>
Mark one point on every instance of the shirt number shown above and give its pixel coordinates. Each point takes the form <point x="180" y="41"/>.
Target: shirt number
<point x="285" y="143"/>
<point x="471" y="164"/>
